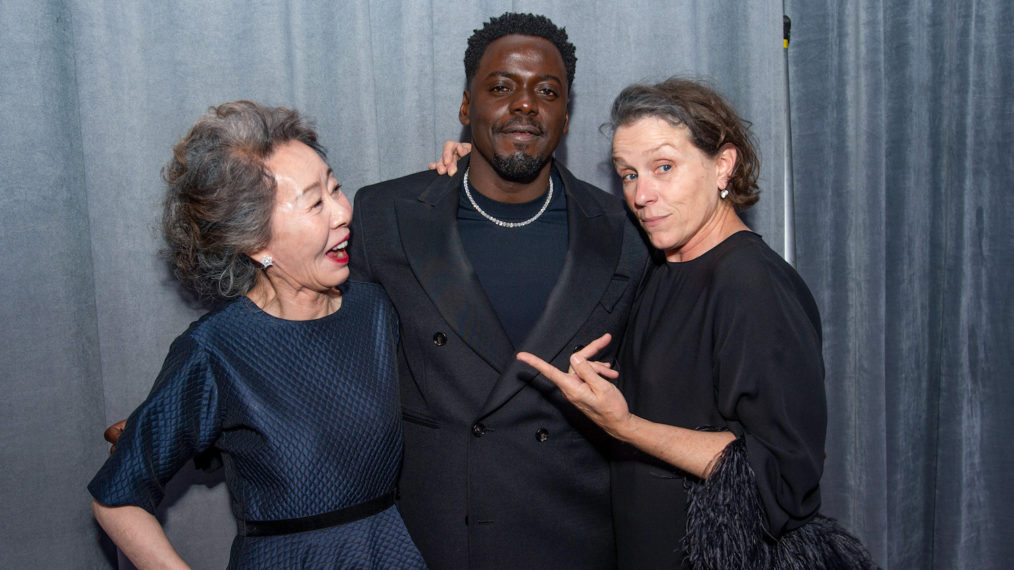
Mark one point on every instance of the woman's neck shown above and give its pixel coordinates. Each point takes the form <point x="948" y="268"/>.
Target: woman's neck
<point x="293" y="304"/>
<point x="725" y="223"/>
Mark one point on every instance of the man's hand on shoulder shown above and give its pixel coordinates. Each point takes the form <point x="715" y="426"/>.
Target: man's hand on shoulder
<point x="113" y="433"/>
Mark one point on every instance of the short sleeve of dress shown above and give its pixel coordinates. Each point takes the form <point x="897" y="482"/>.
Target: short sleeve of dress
<point x="178" y="420"/>
<point x="770" y="381"/>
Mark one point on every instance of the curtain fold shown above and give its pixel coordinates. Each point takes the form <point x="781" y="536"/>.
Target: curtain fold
<point x="900" y="111"/>
<point x="50" y="367"/>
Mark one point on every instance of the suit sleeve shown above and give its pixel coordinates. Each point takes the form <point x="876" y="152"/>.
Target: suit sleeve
<point x="359" y="263"/>
<point x="177" y="421"/>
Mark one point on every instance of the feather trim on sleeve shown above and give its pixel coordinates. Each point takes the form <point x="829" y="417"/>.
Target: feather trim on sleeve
<point x="726" y="528"/>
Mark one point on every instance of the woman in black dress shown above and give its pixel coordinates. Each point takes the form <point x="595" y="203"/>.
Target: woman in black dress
<point x="721" y="402"/>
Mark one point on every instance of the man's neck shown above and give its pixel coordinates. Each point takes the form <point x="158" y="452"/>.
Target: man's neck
<point x="485" y="180"/>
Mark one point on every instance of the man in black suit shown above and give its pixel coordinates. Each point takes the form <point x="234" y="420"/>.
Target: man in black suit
<point x="512" y="253"/>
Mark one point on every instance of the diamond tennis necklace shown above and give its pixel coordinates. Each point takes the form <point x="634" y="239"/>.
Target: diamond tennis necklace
<point x="501" y="223"/>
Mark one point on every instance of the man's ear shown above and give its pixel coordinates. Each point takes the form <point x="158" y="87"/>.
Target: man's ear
<point x="566" y="122"/>
<point x="463" y="110"/>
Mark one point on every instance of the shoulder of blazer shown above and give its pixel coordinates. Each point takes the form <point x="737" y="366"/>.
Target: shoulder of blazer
<point x="425" y="185"/>
<point x="590" y="198"/>
<point x="402" y="187"/>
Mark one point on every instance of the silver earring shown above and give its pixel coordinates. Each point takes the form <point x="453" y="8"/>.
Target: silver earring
<point x="724" y="193"/>
<point x="266" y="261"/>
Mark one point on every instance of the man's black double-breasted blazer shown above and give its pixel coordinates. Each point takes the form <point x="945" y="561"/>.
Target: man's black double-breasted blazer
<point x="499" y="471"/>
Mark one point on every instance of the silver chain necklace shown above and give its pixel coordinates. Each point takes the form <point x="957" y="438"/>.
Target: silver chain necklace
<point x="501" y="223"/>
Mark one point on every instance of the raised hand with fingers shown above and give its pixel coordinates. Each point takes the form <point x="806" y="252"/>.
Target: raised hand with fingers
<point x="585" y="385"/>
<point x="448" y="163"/>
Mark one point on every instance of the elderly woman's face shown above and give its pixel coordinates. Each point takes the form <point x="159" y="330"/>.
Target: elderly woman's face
<point x="670" y="184"/>
<point x="309" y="224"/>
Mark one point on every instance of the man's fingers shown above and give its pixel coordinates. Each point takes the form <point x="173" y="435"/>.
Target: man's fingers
<point x="113" y="433"/>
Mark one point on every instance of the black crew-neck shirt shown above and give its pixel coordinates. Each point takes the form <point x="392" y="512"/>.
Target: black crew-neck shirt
<point x="517" y="267"/>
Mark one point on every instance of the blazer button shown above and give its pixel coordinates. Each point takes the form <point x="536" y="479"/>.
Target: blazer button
<point x="577" y="347"/>
<point x="478" y="430"/>
<point x="541" y="435"/>
<point x="439" y="339"/>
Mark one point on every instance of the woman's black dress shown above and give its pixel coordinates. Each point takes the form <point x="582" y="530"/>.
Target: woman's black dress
<point x="731" y="340"/>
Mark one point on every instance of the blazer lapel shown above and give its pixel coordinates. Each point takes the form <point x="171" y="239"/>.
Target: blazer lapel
<point x="429" y="233"/>
<point x="592" y="255"/>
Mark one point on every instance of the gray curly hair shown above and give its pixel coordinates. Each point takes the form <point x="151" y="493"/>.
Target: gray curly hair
<point x="220" y="195"/>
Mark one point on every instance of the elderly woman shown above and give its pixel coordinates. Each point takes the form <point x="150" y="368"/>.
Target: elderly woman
<point x="293" y="380"/>
<point x="722" y="403"/>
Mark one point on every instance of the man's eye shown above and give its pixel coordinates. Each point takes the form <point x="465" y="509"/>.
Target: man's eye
<point x="628" y="176"/>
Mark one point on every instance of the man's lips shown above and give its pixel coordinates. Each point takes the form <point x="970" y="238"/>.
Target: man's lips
<point x="522" y="129"/>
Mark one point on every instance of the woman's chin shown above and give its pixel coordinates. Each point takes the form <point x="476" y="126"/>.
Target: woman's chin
<point x="342" y="277"/>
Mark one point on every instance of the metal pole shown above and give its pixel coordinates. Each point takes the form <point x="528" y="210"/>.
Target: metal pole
<point x="789" y="243"/>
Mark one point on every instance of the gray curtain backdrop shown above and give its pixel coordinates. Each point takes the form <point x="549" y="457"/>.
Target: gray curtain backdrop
<point x="897" y="118"/>
<point x="902" y="113"/>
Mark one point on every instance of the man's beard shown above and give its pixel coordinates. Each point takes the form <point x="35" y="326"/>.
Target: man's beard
<point x="518" y="167"/>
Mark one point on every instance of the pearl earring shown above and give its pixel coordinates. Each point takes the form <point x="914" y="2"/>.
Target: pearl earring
<point x="724" y="193"/>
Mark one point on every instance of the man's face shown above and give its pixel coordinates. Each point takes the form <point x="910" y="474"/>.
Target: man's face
<point x="516" y="106"/>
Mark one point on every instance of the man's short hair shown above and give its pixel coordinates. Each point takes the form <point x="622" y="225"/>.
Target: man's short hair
<point x="525" y="25"/>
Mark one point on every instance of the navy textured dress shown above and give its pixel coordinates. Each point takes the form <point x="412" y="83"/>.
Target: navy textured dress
<point x="306" y="417"/>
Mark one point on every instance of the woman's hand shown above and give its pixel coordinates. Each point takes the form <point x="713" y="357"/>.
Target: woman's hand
<point x="448" y="163"/>
<point x="584" y="386"/>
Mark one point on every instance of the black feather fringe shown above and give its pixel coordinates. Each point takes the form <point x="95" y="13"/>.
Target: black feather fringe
<point x="726" y="527"/>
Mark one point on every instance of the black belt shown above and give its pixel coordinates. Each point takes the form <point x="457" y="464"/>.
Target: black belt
<point x="315" y="522"/>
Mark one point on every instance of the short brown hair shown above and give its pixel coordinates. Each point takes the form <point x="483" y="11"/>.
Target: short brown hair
<point x="712" y="123"/>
